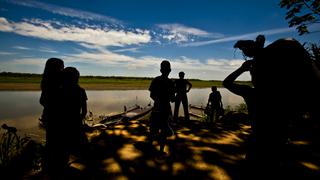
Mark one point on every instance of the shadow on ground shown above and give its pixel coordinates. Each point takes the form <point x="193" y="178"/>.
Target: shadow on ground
<point x="196" y="151"/>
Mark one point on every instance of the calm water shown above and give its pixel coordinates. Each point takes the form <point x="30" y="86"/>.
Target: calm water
<point x="22" y="110"/>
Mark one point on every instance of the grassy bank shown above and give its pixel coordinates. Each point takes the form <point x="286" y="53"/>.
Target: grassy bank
<point x="24" y="81"/>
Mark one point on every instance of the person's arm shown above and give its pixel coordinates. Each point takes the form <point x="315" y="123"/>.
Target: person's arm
<point x="209" y="99"/>
<point x="172" y="91"/>
<point x="221" y="105"/>
<point x="152" y="90"/>
<point x="84" y="109"/>
<point x="229" y="81"/>
<point x="189" y="85"/>
<point x="42" y="99"/>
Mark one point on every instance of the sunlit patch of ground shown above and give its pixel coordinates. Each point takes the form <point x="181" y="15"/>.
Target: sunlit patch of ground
<point x="195" y="151"/>
<point x="311" y="166"/>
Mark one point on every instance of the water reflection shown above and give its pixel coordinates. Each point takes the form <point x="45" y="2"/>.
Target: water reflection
<point x="22" y="109"/>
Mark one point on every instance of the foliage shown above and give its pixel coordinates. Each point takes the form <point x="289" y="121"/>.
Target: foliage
<point x="240" y="108"/>
<point x="314" y="51"/>
<point x="17" y="154"/>
<point x="301" y="13"/>
<point x="10" y="145"/>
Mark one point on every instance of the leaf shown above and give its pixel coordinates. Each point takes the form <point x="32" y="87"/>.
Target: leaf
<point x="302" y="29"/>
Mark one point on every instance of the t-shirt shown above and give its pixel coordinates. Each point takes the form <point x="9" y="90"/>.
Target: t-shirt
<point x="215" y="98"/>
<point x="162" y="92"/>
<point x="72" y="99"/>
<point x="181" y="86"/>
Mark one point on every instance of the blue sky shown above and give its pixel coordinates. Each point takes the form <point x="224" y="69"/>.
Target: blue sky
<point x="131" y="38"/>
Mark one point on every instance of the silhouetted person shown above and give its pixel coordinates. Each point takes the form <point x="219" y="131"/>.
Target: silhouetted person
<point x="162" y="93"/>
<point x="50" y="89"/>
<point x="50" y="84"/>
<point x="248" y="93"/>
<point x="214" y="104"/>
<point x="280" y="101"/>
<point x="74" y="110"/>
<point x="182" y="87"/>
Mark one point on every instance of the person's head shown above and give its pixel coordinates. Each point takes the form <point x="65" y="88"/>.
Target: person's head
<point x="181" y="75"/>
<point x="53" y="66"/>
<point x="260" y="40"/>
<point x="251" y="48"/>
<point x="248" y="47"/>
<point x="52" y="73"/>
<point x="165" y="67"/>
<point x="70" y="76"/>
<point x="213" y="88"/>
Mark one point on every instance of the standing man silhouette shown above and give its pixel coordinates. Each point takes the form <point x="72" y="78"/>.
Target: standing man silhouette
<point x="182" y="86"/>
<point x="215" y="104"/>
<point x="162" y="93"/>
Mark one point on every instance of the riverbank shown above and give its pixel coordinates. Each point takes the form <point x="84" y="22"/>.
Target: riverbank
<point x="31" y="82"/>
<point x="121" y="85"/>
<point x="196" y="151"/>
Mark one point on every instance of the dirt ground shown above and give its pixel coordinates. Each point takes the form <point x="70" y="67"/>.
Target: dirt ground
<point x="196" y="151"/>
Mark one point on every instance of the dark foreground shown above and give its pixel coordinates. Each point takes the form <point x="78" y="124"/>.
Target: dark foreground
<point x="195" y="152"/>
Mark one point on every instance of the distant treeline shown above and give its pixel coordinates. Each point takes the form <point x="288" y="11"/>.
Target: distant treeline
<point x="8" y="79"/>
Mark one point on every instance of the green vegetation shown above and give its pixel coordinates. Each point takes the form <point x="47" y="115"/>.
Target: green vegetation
<point x="301" y="13"/>
<point x="240" y="108"/>
<point x="18" y="154"/>
<point x="25" y="81"/>
<point x="8" y="77"/>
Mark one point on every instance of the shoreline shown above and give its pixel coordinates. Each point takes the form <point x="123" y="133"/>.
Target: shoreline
<point x="31" y="82"/>
<point x="91" y="86"/>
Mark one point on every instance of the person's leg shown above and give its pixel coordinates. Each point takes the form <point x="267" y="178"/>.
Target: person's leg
<point x="176" y="109"/>
<point x="162" y="142"/>
<point x="185" y="108"/>
<point x="154" y="127"/>
<point x="211" y="117"/>
<point x="214" y="115"/>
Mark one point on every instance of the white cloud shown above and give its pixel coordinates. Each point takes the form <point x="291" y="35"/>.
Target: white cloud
<point x="180" y="33"/>
<point x="28" y="61"/>
<point x="21" y="48"/>
<point x="93" y="36"/>
<point x="239" y="37"/>
<point x="5" y="25"/>
<point x="209" y="69"/>
<point x="66" y="11"/>
<point x="6" y="53"/>
<point x="146" y="66"/>
<point x="47" y="50"/>
<point x="179" y="28"/>
<point x="42" y="49"/>
<point x="134" y="50"/>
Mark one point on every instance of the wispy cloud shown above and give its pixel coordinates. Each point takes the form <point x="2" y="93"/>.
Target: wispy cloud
<point x="134" y="50"/>
<point x="21" y="48"/>
<point x="180" y="33"/>
<point x="28" y="61"/>
<point x="6" y="53"/>
<point x="149" y="65"/>
<point x="64" y="32"/>
<point x="75" y="13"/>
<point x="41" y="49"/>
<point x="239" y="37"/>
<point x="137" y="66"/>
<point x="179" y="28"/>
<point x="47" y="50"/>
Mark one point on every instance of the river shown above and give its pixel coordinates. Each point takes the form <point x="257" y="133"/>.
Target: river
<point x="22" y="110"/>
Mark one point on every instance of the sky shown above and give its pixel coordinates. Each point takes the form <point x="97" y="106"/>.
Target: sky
<point x="131" y="38"/>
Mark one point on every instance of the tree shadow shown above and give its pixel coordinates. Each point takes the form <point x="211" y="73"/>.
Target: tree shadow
<point x="196" y="151"/>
